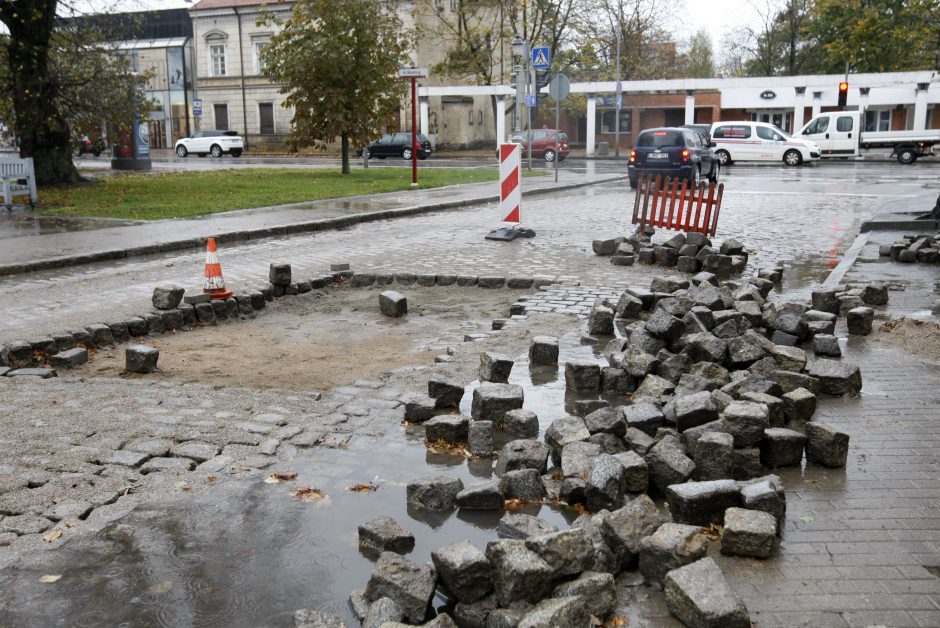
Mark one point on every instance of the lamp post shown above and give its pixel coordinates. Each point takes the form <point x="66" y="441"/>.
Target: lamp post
<point x="519" y="53"/>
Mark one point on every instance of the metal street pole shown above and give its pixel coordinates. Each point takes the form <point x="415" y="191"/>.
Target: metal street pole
<point x="529" y="111"/>
<point x="617" y="96"/>
<point x="520" y="97"/>
<point x="414" y="134"/>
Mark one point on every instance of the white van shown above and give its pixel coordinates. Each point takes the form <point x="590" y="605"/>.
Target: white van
<point x="759" y="141"/>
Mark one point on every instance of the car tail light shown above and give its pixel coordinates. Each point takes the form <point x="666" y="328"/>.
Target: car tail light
<point x="685" y="155"/>
<point x="632" y="156"/>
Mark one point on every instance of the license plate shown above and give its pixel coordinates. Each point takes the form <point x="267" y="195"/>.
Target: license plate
<point x="657" y="156"/>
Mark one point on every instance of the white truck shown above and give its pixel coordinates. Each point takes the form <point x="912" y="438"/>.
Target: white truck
<point x="840" y="134"/>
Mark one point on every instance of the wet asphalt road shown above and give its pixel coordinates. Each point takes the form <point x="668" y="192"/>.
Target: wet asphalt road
<point x="801" y="214"/>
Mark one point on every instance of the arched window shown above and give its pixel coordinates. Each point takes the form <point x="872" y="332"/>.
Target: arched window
<point x="217" y="56"/>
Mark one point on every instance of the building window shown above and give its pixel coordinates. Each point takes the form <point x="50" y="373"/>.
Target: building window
<point x="258" y="45"/>
<point x="607" y="120"/>
<point x="221" y="117"/>
<point x="266" y="118"/>
<point x="878" y="120"/>
<point x="217" y="60"/>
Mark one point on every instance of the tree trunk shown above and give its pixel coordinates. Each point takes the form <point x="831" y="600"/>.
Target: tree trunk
<point x="345" y="143"/>
<point x="43" y="131"/>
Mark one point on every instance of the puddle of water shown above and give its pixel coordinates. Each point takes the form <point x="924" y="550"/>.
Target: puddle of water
<point x="247" y="553"/>
<point x="18" y="225"/>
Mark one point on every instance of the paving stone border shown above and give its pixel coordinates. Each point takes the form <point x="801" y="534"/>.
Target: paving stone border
<point x="175" y="311"/>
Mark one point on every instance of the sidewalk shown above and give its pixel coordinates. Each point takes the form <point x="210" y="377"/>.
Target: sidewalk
<point x="108" y="240"/>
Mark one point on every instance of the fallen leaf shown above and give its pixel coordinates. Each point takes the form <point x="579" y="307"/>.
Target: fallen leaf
<point x="308" y="493"/>
<point x="713" y="531"/>
<point x="52" y="535"/>
<point x="161" y="588"/>
<point x="445" y="447"/>
<point x="362" y="488"/>
<point x="807" y="518"/>
<point x="212" y="479"/>
<point x="183" y="486"/>
<point x="241" y="469"/>
<point x="280" y="476"/>
<point x="71" y="523"/>
<point x="616" y="622"/>
<point x="49" y="578"/>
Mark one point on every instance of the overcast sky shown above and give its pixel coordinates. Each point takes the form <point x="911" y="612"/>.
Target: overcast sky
<point x="716" y="16"/>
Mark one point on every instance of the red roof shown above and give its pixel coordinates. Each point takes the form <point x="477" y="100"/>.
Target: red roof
<point x="227" y="4"/>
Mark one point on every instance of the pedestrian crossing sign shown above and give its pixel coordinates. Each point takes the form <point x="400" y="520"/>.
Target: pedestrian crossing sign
<point x="541" y="58"/>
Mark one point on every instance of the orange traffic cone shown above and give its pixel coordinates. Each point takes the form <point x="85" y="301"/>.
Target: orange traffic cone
<point x="215" y="285"/>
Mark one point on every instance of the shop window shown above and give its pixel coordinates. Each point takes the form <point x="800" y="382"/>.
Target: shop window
<point x="607" y="121"/>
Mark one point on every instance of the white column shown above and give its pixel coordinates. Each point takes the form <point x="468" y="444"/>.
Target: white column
<point x="423" y="112"/>
<point x="920" y="107"/>
<point x="863" y="103"/>
<point x="798" y="108"/>
<point x="817" y="103"/>
<point x="591" y="125"/>
<point x="689" y="107"/>
<point x="500" y="120"/>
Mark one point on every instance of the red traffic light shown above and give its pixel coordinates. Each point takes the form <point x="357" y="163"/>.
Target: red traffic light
<point x="843" y="86"/>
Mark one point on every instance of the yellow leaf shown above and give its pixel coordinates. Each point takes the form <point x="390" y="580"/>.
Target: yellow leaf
<point x="362" y="488"/>
<point x="280" y="476"/>
<point x="52" y="535"/>
<point x="308" y="493"/>
<point x="50" y="578"/>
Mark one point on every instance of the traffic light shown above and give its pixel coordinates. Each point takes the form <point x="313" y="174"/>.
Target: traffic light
<point x="843" y="93"/>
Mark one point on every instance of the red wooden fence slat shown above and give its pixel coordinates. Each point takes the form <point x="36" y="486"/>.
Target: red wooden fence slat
<point x="665" y="203"/>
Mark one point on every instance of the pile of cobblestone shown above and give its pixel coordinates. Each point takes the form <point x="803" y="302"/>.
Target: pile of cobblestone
<point x="687" y="252"/>
<point x="923" y="248"/>
<point x="707" y="392"/>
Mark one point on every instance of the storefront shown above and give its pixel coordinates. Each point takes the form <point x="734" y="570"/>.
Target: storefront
<point x="169" y="64"/>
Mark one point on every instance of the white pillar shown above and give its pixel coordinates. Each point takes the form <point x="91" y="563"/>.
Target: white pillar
<point x="689" y="107"/>
<point x="798" y="108"/>
<point x="591" y="125"/>
<point x="423" y="109"/>
<point x="863" y="103"/>
<point x="920" y="107"/>
<point x="500" y="120"/>
<point x="817" y="103"/>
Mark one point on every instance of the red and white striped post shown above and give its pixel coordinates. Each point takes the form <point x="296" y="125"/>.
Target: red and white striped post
<point x="510" y="174"/>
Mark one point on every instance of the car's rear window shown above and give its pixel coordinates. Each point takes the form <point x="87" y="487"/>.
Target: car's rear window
<point x="659" y="139"/>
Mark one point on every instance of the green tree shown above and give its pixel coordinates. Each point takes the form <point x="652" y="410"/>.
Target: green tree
<point x="56" y="77"/>
<point x="338" y="64"/>
<point x="878" y="35"/>
<point x="700" y="62"/>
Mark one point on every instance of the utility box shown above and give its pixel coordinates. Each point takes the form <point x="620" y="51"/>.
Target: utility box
<point x="602" y="149"/>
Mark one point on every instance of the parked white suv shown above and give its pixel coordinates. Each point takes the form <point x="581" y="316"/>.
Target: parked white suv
<point x="215" y="143"/>
<point x="759" y="141"/>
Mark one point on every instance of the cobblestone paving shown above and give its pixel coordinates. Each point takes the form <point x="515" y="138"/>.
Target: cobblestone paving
<point x="765" y="214"/>
<point x="860" y="545"/>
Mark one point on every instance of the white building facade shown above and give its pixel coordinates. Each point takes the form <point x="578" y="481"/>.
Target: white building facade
<point x="235" y="95"/>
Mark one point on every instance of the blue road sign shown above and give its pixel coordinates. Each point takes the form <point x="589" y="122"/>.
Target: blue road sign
<point x="197" y="106"/>
<point x="531" y="100"/>
<point x="541" y="58"/>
